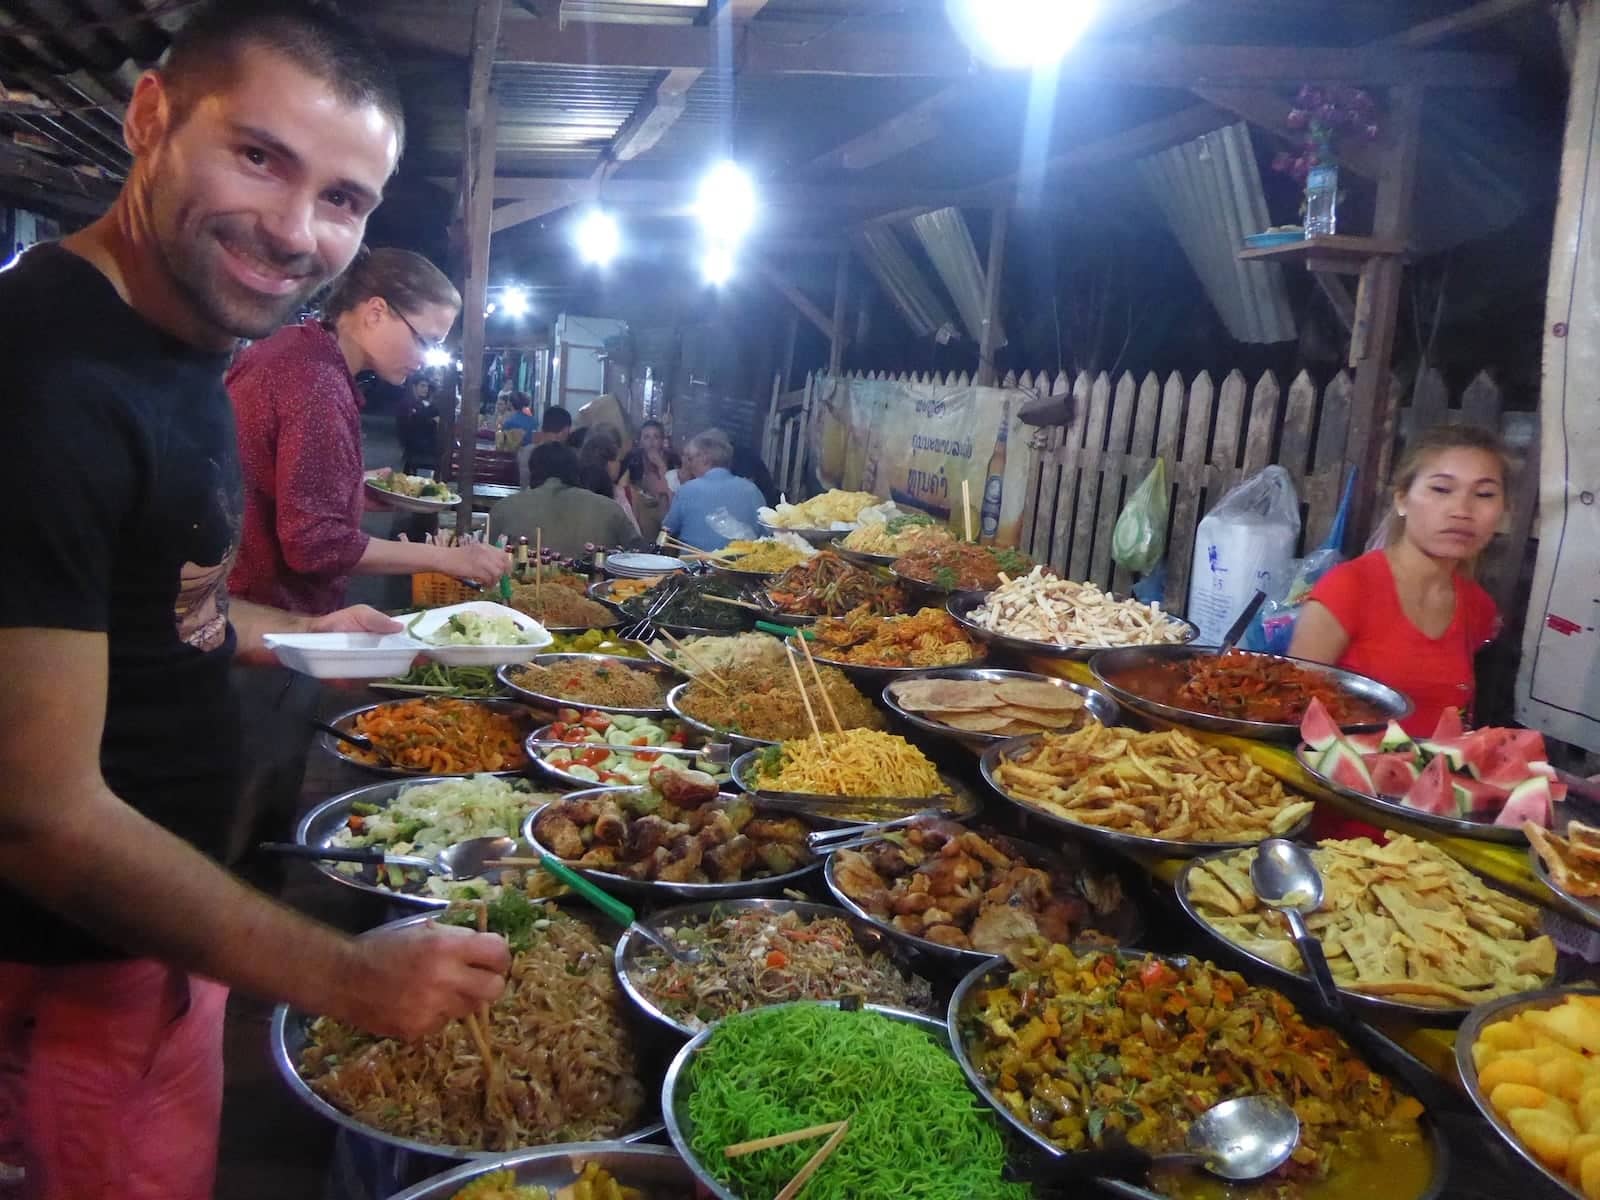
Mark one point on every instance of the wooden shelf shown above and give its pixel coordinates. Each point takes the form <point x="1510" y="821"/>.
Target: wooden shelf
<point x="1344" y="255"/>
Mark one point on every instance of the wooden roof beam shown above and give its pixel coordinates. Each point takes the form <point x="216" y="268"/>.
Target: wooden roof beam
<point x="1467" y="20"/>
<point x="793" y="295"/>
<point x="904" y="131"/>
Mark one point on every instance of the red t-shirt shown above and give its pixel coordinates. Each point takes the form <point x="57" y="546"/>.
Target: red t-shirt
<point x="299" y="419"/>
<point x="1437" y="673"/>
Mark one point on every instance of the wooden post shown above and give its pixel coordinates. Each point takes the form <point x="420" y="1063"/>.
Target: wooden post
<point x="990" y="332"/>
<point x="1372" y="413"/>
<point x="841" y="289"/>
<point x="478" y="214"/>
<point x="790" y="335"/>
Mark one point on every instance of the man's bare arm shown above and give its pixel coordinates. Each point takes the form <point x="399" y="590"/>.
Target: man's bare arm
<point x="69" y="843"/>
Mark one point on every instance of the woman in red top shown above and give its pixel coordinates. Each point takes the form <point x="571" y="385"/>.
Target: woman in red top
<point x="299" y="428"/>
<point x="1410" y="614"/>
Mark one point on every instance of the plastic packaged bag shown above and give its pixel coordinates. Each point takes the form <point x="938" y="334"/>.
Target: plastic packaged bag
<point x="1140" y="534"/>
<point x="1243" y="544"/>
<point x="1273" y="628"/>
<point x="724" y="524"/>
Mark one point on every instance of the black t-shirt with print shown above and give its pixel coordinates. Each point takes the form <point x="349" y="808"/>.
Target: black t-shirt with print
<point x="121" y="517"/>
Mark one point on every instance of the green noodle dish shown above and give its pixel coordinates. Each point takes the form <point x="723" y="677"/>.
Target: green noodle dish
<point x="916" y="1132"/>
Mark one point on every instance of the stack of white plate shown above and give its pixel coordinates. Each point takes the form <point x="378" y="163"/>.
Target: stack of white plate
<point x="629" y="565"/>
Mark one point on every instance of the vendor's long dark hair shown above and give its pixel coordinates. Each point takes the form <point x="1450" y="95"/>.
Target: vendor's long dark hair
<point x="405" y="280"/>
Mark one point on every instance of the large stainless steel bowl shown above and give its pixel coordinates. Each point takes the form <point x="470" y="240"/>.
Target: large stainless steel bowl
<point x="508" y="680"/>
<point x="738" y="741"/>
<point x="347" y="720"/>
<point x="1112" y="668"/>
<point x="631" y="947"/>
<point x="1100" y="707"/>
<point x="1115" y="838"/>
<point x="568" y="781"/>
<point x="961" y="604"/>
<point x="555" y="1168"/>
<point x="958" y="802"/>
<point x="659" y="891"/>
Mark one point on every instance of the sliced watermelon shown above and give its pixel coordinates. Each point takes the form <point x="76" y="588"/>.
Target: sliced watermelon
<point x="1396" y="739"/>
<point x="1455" y="751"/>
<point x="1317" y="728"/>
<point x="1449" y="725"/>
<point x="1342" y="763"/>
<point x="1366" y="743"/>
<point x="1478" y="799"/>
<point x="1530" y="800"/>
<point x="1505" y="756"/>
<point x="1434" y="790"/>
<point x="1393" y="773"/>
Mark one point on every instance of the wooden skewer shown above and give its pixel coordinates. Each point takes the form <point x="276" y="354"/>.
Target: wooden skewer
<point x="804" y="699"/>
<point x="792" y="1188"/>
<point x="538" y="568"/>
<point x="966" y="507"/>
<point x="736" y="603"/>
<point x="486" y="1052"/>
<point x="718" y="683"/>
<point x="739" y="1149"/>
<point x="827" y="700"/>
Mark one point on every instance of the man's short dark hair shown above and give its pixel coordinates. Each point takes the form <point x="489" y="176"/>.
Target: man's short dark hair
<point x="552" y="460"/>
<point x="521" y="401"/>
<point x="556" y="420"/>
<point x="313" y="34"/>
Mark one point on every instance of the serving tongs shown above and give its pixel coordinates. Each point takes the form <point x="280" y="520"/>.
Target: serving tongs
<point x="359" y="740"/>
<point x="644" y="629"/>
<point x="853" y="837"/>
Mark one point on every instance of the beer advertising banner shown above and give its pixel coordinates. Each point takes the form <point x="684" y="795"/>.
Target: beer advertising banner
<point x="915" y="443"/>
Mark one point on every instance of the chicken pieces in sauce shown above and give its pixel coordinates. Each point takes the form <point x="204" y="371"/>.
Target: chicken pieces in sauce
<point x="940" y="881"/>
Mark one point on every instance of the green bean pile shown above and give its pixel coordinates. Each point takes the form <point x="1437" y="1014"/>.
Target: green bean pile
<point x="917" y="1131"/>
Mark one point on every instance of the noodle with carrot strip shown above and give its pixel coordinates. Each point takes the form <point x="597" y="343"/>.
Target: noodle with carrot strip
<point x="439" y="736"/>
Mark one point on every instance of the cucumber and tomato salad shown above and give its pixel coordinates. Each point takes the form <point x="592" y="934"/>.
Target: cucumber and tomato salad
<point x="595" y="737"/>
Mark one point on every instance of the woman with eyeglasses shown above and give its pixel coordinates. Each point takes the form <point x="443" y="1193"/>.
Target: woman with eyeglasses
<point x="298" y="413"/>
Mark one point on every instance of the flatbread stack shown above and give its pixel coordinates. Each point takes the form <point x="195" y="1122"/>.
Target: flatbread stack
<point x="1403" y="920"/>
<point x="1573" y="862"/>
<point x="1004" y="708"/>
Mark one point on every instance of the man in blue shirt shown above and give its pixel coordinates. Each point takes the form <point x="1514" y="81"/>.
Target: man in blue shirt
<point x="713" y="488"/>
<point x="520" y="417"/>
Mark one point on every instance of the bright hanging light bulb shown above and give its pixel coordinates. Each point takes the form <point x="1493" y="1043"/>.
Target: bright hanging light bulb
<point x="598" y="237"/>
<point x="436" y="356"/>
<point x="1022" y="34"/>
<point x="716" y="266"/>
<point x="726" y="203"/>
<point x="514" y="302"/>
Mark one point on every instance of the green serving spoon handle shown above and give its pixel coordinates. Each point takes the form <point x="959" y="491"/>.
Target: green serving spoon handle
<point x="590" y="891"/>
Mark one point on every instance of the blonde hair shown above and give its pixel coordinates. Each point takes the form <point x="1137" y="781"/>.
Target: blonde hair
<point x="1428" y="445"/>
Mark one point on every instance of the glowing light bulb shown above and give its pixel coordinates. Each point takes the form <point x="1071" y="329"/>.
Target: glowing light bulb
<point x="514" y="302"/>
<point x="726" y="204"/>
<point x="598" y="237"/>
<point x="1022" y="34"/>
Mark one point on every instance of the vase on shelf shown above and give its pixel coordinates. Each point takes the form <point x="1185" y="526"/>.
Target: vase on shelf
<point x="1322" y="201"/>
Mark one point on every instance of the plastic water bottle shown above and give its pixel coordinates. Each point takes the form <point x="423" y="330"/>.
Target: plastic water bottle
<point x="1322" y="201"/>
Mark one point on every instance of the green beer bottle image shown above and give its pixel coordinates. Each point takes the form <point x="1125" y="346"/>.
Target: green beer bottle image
<point x="994" y="483"/>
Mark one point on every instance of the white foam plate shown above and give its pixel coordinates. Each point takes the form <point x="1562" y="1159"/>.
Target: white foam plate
<point x="476" y="656"/>
<point x="345" y="655"/>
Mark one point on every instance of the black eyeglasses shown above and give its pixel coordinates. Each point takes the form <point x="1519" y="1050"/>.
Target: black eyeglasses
<point x="423" y="343"/>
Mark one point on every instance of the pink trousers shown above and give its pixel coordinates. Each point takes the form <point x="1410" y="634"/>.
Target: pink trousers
<point x="110" y="1082"/>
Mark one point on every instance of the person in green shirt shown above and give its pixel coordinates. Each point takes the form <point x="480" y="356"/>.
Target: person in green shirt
<point x="570" y="516"/>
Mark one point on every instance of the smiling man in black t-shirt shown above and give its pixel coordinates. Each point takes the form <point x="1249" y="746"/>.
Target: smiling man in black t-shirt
<point x="260" y="148"/>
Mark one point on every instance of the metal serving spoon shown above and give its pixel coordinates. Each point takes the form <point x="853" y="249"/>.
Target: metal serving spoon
<point x="359" y="740"/>
<point x="1285" y="879"/>
<point x="470" y="859"/>
<point x="1243" y="1138"/>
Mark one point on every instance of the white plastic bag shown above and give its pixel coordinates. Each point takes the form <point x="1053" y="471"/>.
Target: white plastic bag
<point x="724" y="524"/>
<point x="1246" y="542"/>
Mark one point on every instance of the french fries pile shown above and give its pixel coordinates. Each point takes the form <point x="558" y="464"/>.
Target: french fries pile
<point x="1540" y="1070"/>
<point x="1156" y="785"/>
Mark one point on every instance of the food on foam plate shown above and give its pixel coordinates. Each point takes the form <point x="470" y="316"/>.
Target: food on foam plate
<point x="1007" y="707"/>
<point x="470" y="628"/>
<point x="831" y="585"/>
<point x="675" y="830"/>
<point x="769" y="554"/>
<point x="916" y="1129"/>
<point x="1573" y="861"/>
<point x="593" y="681"/>
<point x="951" y="885"/>
<point x="692" y="655"/>
<point x="563" y="1062"/>
<point x="1540" y="1071"/>
<point x="441" y="736"/>
<point x="1403" y="921"/>
<point x="594" y="1182"/>
<point x="763" y="702"/>
<point x="833" y="509"/>
<point x="597" y="641"/>
<point x="751" y="957"/>
<point x="927" y="638"/>
<point x="1038" y="607"/>
<point x="898" y="535"/>
<point x="962" y="566"/>
<point x="416" y="487"/>
<point x="1091" y="1049"/>
<point x="1161" y="785"/>
<point x="1493" y="775"/>
<point x="1246" y="687"/>
<point x="857" y="762"/>
<point x="426" y="819"/>
<point x="595" y="737"/>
